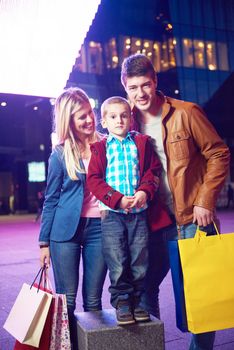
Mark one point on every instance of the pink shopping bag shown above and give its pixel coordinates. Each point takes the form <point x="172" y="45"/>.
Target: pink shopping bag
<point x="60" y="334"/>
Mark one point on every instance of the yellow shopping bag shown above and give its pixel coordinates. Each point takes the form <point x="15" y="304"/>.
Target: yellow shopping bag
<point x="208" y="273"/>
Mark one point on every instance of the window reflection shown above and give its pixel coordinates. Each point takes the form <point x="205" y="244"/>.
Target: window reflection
<point x="95" y="58"/>
<point x="187" y="52"/>
<point x="112" y="58"/>
<point x="199" y="53"/>
<point x="222" y="56"/>
<point x="211" y="56"/>
<point x="164" y="54"/>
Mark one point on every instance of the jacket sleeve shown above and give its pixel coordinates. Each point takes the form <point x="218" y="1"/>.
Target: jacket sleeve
<point x="96" y="178"/>
<point x="217" y="156"/>
<point x="52" y="194"/>
<point x="152" y="170"/>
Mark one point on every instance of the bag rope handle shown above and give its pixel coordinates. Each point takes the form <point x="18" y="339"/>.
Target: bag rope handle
<point x="41" y="273"/>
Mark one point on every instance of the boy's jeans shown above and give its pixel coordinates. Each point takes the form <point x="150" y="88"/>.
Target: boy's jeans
<point x="125" y="249"/>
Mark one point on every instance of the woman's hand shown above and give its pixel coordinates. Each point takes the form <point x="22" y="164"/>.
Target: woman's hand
<point x="45" y="256"/>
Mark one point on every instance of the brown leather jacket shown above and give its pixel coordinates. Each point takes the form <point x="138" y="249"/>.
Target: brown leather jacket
<point x="197" y="158"/>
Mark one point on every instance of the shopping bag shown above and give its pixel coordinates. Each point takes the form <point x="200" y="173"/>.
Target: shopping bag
<point x="45" y="337"/>
<point x="178" y="285"/>
<point x="208" y="269"/>
<point x="27" y="317"/>
<point x="60" y="334"/>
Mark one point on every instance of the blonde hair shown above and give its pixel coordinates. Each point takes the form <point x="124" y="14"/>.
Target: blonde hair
<point x="114" y="100"/>
<point x="66" y="105"/>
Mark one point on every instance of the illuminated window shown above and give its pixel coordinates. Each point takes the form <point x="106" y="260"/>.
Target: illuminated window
<point x="187" y="47"/>
<point x="211" y="56"/>
<point x="223" y="56"/>
<point x="164" y="56"/>
<point x="157" y="56"/>
<point x="111" y="54"/>
<point x="138" y="43"/>
<point x="171" y="52"/>
<point x="80" y="64"/>
<point x="94" y="58"/>
<point x="199" y="53"/>
<point x="126" y="46"/>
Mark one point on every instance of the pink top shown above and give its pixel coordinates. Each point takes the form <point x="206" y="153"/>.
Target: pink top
<point x="90" y="208"/>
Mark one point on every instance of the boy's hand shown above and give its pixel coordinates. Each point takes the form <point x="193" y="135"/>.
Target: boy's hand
<point x="126" y="203"/>
<point x="140" y="199"/>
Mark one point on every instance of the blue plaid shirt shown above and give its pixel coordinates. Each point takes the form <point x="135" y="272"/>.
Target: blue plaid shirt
<point x="122" y="171"/>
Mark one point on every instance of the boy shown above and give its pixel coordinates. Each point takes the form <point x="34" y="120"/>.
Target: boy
<point x="124" y="175"/>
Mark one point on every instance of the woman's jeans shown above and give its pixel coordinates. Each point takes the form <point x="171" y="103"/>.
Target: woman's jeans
<point x="158" y="269"/>
<point x="125" y="249"/>
<point x="65" y="258"/>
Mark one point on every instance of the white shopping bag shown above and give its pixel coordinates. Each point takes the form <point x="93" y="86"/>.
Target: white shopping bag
<point x="27" y="317"/>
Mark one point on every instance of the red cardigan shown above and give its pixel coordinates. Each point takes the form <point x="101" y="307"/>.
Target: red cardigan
<point x="150" y="169"/>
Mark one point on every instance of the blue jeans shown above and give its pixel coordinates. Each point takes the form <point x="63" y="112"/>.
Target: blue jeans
<point x="125" y="249"/>
<point x="65" y="258"/>
<point x="158" y="269"/>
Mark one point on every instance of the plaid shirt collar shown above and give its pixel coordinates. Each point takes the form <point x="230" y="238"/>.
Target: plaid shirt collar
<point x="112" y="138"/>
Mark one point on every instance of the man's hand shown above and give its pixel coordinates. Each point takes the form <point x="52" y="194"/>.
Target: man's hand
<point x="126" y="203"/>
<point x="140" y="199"/>
<point x="202" y="216"/>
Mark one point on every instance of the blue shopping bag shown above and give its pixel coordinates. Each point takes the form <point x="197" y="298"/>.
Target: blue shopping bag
<point x="178" y="285"/>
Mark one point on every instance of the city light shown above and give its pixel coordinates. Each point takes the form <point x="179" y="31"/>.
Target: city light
<point x="40" y="41"/>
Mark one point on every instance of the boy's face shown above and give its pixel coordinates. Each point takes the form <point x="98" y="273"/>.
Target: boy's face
<point x="117" y="120"/>
<point x="141" y="91"/>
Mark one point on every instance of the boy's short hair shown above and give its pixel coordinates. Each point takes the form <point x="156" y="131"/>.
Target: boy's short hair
<point x="112" y="100"/>
<point x="135" y="66"/>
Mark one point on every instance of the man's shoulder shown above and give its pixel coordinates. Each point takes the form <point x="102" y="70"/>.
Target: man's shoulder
<point x="180" y="104"/>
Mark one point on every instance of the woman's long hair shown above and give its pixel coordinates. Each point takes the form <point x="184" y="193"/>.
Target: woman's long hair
<point x="66" y="105"/>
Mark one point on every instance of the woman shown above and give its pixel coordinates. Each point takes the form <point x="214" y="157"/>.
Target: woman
<point x="71" y="224"/>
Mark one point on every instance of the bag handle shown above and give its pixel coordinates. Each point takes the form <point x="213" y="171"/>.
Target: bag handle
<point x="47" y="281"/>
<point x="41" y="273"/>
<point x="199" y="233"/>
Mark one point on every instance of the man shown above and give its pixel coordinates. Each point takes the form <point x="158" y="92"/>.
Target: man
<point x="195" y="162"/>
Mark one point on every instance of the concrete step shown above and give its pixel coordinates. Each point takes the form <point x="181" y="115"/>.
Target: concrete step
<point x="98" y="330"/>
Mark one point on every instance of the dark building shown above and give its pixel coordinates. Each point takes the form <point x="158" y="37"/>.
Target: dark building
<point x="191" y="44"/>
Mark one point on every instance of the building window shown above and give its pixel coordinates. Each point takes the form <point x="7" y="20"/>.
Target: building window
<point x="203" y="54"/>
<point x="94" y="58"/>
<point x="199" y="53"/>
<point x="211" y="56"/>
<point x="222" y="56"/>
<point x="171" y="52"/>
<point x="157" y="56"/>
<point x="112" y="59"/>
<point x="187" y="48"/>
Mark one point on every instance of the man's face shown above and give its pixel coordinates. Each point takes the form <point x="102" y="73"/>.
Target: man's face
<point x="141" y="91"/>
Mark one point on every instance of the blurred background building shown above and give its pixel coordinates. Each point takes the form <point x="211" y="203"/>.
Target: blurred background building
<point x="191" y="44"/>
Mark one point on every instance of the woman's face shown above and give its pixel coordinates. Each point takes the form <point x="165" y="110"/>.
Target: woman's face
<point x="83" y="121"/>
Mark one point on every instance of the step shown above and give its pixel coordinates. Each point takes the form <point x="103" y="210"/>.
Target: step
<point x="98" y="330"/>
